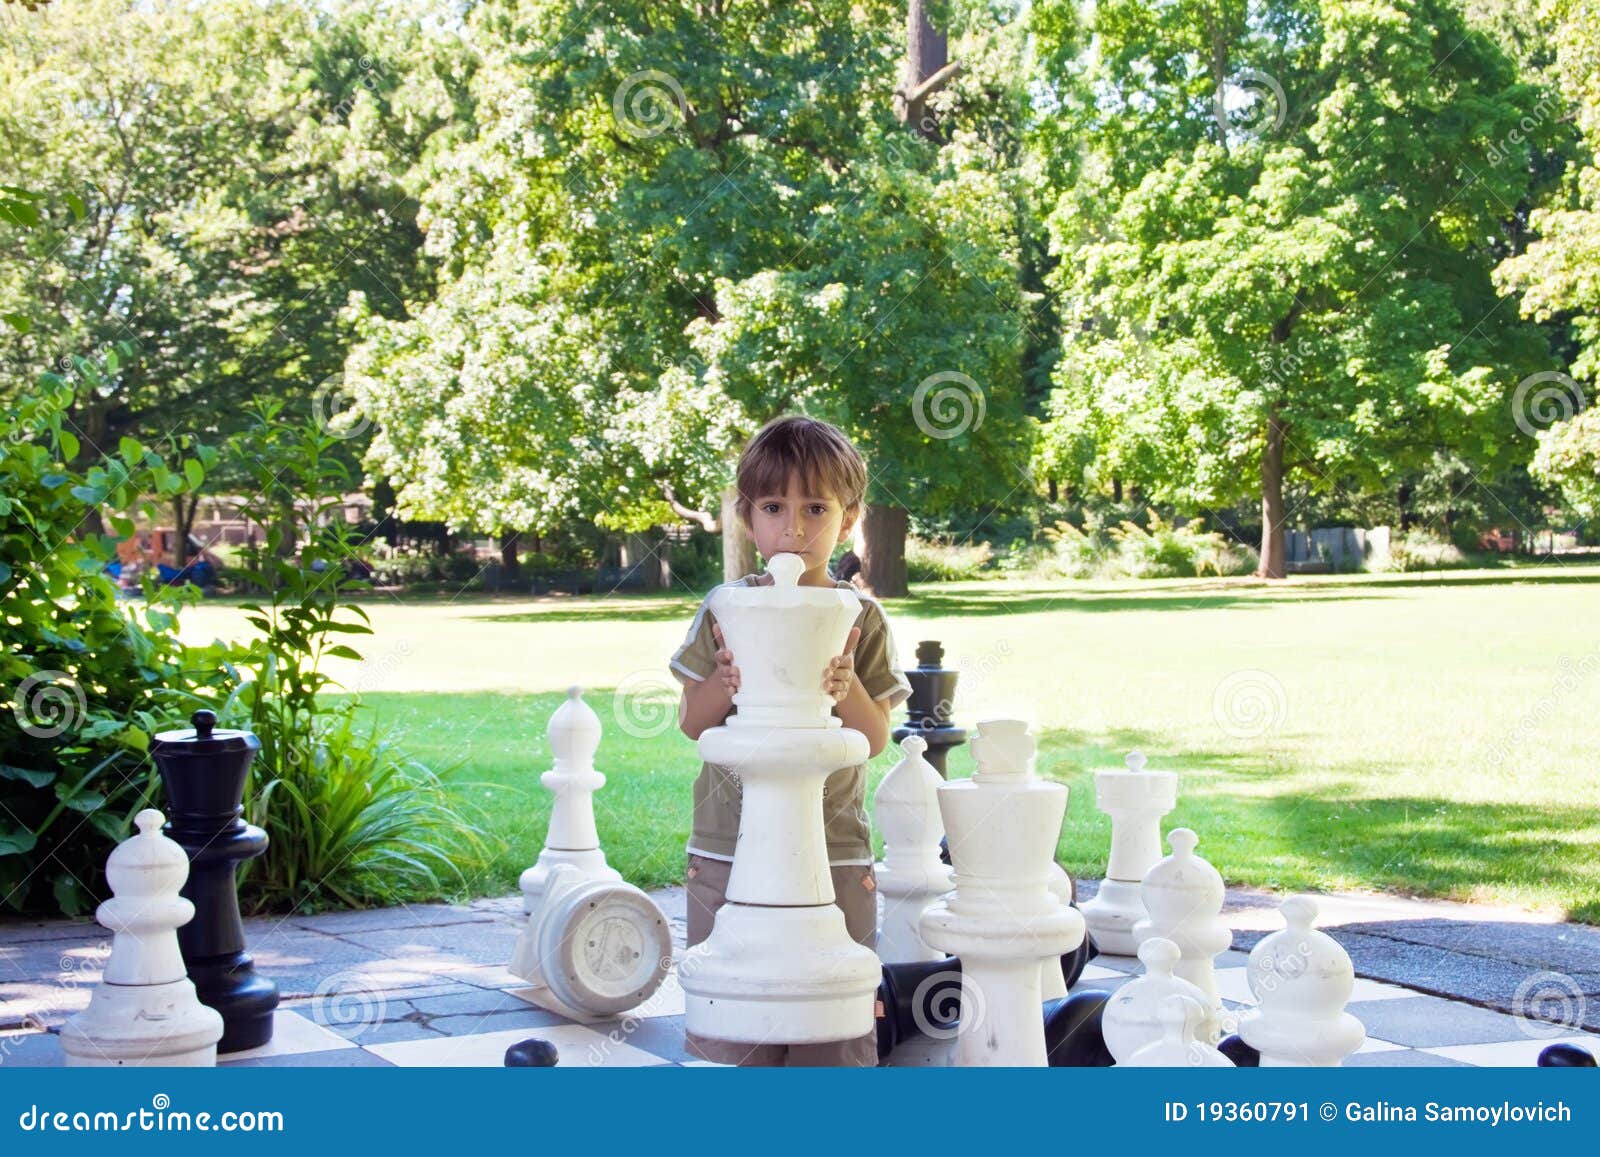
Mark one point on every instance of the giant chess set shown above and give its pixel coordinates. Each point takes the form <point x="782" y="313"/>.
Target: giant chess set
<point x="981" y="948"/>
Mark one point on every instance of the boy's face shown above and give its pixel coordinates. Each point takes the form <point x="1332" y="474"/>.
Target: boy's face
<point x="809" y="525"/>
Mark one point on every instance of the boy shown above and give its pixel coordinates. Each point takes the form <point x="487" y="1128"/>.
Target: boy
<point x="801" y="488"/>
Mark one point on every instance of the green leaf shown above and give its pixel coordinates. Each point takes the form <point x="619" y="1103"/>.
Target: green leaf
<point x="37" y="777"/>
<point x="19" y="322"/>
<point x="68" y="443"/>
<point x="343" y="652"/>
<point x="85" y="801"/>
<point x="131" y="449"/>
<point x="15" y="841"/>
<point x="69" y="894"/>
<point x="194" y="472"/>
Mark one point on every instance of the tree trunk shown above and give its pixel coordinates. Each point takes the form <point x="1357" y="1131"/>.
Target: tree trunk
<point x="182" y="522"/>
<point x="510" y="563"/>
<point x="738" y="548"/>
<point x="1272" y="499"/>
<point x="926" y="68"/>
<point x="881" y="543"/>
<point x="1403" y="500"/>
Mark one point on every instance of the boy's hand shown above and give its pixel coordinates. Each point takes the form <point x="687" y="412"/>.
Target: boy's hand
<point x="726" y="671"/>
<point x="841" y="670"/>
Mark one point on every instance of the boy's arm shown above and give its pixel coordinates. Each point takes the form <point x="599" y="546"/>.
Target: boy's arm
<point x="706" y="700"/>
<point x="879" y="684"/>
<point x="704" y="704"/>
<point x="860" y="711"/>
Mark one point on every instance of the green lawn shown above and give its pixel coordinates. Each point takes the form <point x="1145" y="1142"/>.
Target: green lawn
<point x="1431" y="735"/>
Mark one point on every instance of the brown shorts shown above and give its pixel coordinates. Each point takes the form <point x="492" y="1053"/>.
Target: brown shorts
<point x="855" y="890"/>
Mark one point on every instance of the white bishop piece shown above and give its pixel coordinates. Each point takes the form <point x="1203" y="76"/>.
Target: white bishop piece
<point x="571" y="838"/>
<point x="1133" y="1018"/>
<point x="593" y="944"/>
<point x="910" y="876"/>
<point x="1181" y="1044"/>
<point x="1183" y="895"/>
<point x="780" y="964"/>
<point x="1004" y="920"/>
<point x="1135" y="799"/>
<point x="1302" y="980"/>
<point x="144" y="1011"/>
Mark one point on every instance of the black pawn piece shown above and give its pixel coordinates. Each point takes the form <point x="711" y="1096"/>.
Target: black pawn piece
<point x="203" y="771"/>
<point x="533" y="1053"/>
<point x="1566" y="1056"/>
<point x="1073" y="1036"/>
<point x="1241" y="1054"/>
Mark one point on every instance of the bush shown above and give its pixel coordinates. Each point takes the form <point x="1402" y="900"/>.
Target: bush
<point x="1418" y="550"/>
<point x="354" y="820"/>
<point x="1160" y="550"/>
<point x="944" y="562"/>
<point x="350" y="818"/>
<point x="87" y="681"/>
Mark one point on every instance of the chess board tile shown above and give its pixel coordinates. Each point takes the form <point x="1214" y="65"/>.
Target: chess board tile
<point x="577" y="1045"/>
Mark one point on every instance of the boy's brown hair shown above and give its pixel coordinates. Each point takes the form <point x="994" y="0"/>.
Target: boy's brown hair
<point x="819" y="452"/>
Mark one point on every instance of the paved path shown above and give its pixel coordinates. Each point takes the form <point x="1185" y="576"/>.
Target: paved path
<point x="426" y="984"/>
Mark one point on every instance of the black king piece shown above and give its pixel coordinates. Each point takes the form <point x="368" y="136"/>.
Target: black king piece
<point x="204" y="770"/>
<point x="933" y="690"/>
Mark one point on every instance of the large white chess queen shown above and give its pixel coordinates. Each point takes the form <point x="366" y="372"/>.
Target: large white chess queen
<point x="780" y="964"/>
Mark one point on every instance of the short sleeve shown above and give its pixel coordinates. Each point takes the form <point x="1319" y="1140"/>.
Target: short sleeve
<point x="696" y="657"/>
<point x="877" y="660"/>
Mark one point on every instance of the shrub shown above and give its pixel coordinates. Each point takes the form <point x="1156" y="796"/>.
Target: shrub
<point x="350" y="818"/>
<point x="1160" y="550"/>
<point x="87" y="680"/>
<point x="1418" y="550"/>
<point x="944" y="562"/>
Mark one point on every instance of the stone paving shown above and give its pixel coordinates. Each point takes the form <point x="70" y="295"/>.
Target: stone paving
<point x="1442" y="984"/>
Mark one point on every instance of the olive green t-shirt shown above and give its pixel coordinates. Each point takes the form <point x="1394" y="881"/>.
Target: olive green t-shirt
<point x="718" y="792"/>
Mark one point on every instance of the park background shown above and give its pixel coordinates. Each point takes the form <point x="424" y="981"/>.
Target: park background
<point x="375" y="371"/>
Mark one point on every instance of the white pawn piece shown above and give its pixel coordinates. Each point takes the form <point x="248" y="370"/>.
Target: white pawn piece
<point x="780" y="964"/>
<point x="1302" y="980"/>
<point x="571" y="838"/>
<point x="593" y="948"/>
<point x="1180" y="1044"/>
<point x="1003" y="919"/>
<point x="1132" y="1017"/>
<point x="1135" y="799"/>
<point x="910" y="876"/>
<point x="1183" y="896"/>
<point x="144" y="1012"/>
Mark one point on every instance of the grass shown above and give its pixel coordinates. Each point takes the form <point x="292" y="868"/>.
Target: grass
<point x="1432" y="735"/>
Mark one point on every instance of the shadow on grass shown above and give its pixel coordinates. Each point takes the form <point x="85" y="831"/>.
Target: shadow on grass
<point x="1260" y="824"/>
<point x="1337" y="835"/>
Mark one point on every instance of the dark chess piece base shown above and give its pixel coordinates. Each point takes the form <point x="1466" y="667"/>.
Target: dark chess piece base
<point x="1241" y="1054"/>
<point x="1073" y="1035"/>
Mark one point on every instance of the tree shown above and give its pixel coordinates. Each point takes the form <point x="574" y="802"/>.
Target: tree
<point x="1555" y="275"/>
<point x="1276" y="265"/>
<point x="639" y="267"/>
<point x="229" y="174"/>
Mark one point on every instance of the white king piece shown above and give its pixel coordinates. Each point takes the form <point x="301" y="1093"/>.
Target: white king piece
<point x="780" y="964"/>
<point x="1003" y="920"/>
